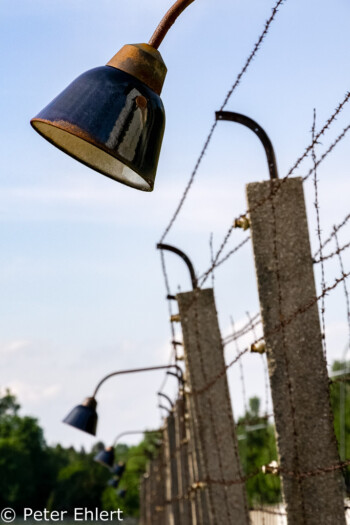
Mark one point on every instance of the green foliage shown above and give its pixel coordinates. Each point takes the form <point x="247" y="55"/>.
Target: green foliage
<point x="340" y="401"/>
<point x="257" y="447"/>
<point x="80" y="483"/>
<point x="25" y="474"/>
<point x="136" y="459"/>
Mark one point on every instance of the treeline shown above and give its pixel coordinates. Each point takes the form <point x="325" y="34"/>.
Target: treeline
<point x="35" y="475"/>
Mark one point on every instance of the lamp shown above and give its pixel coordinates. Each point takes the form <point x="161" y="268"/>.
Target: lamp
<point x="111" y="118"/>
<point x="84" y="416"/>
<point x="114" y="482"/>
<point x="118" y="470"/>
<point x="106" y="456"/>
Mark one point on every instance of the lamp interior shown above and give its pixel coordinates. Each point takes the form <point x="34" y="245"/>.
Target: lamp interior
<point x="91" y="155"/>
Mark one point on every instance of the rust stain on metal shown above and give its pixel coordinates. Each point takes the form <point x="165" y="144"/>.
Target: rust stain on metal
<point x="143" y="62"/>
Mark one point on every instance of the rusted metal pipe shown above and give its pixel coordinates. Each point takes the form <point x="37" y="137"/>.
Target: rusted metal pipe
<point x="167" y="21"/>
<point x="130" y="432"/>
<point x="160" y="394"/>
<point x="259" y="131"/>
<point x="131" y="371"/>
<point x="184" y="257"/>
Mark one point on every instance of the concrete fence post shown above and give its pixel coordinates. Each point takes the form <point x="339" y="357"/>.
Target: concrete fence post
<point x="211" y="409"/>
<point x="182" y="461"/>
<point x="174" y="484"/>
<point x="297" y="367"/>
<point x="143" y="501"/>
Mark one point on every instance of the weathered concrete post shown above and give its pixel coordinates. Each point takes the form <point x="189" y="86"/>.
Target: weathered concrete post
<point x="143" y="501"/>
<point x="153" y="488"/>
<point x="158" y="501"/>
<point x="182" y="461"/>
<point x="147" y="498"/>
<point x="168" y="514"/>
<point x="199" y="498"/>
<point x="174" y="484"/>
<point x="297" y="367"/>
<point x="212" y="411"/>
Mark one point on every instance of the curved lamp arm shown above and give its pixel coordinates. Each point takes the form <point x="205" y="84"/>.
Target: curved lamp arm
<point x="164" y="408"/>
<point x="167" y="21"/>
<point x="134" y="370"/>
<point x="259" y="131"/>
<point x="184" y="257"/>
<point x="160" y="394"/>
<point x="129" y="432"/>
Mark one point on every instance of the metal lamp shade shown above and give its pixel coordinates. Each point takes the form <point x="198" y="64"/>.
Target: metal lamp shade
<point x="105" y="457"/>
<point x="110" y="121"/>
<point x="84" y="417"/>
<point x="118" y="470"/>
<point x="113" y="483"/>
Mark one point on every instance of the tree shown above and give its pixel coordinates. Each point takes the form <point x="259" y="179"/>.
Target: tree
<point x="340" y="401"/>
<point x="257" y="447"/>
<point x="25" y="475"/>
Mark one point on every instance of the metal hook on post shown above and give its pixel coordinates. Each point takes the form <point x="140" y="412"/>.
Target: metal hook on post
<point x="185" y="258"/>
<point x="160" y="394"/>
<point x="259" y="131"/>
<point x="164" y="408"/>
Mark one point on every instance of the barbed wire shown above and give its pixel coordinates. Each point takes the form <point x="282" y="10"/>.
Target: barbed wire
<point x="279" y="182"/>
<point x="346" y="292"/>
<point x="285" y="322"/>
<point x="173" y="354"/>
<point x="338" y="251"/>
<point x="334" y="231"/>
<point x="264" y="363"/>
<point x="215" y="262"/>
<point x="327" y="152"/>
<point x="248" y="327"/>
<point x="241" y="370"/>
<point x="319" y="237"/>
<point x="212" y="129"/>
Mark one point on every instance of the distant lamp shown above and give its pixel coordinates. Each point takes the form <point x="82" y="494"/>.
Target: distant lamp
<point x="84" y="416"/>
<point x="105" y="457"/>
<point x="111" y="118"/>
<point x="113" y="483"/>
<point x="118" y="470"/>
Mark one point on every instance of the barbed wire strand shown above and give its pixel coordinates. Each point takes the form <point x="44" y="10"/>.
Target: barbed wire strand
<point x="241" y="370"/>
<point x="173" y="355"/>
<point x="243" y="331"/>
<point x="296" y="164"/>
<point x="319" y="236"/>
<point x="332" y="254"/>
<point x="335" y="230"/>
<point x="264" y="363"/>
<point x="212" y="129"/>
<point x="346" y="291"/>
<point x="212" y="259"/>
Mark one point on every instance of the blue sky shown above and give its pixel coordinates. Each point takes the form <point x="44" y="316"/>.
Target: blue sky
<point x="81" y="285"/>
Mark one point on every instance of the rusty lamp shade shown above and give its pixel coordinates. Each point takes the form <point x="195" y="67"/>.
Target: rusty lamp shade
<point x="118" y="470"/>
<point x="84" y="416"/>
<point x="113" y="482"/>
<point x="111" y="118"/>
<point x="105" y="457"/>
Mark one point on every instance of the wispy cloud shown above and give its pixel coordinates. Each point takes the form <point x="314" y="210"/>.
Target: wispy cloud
<point x="14" y="346"/>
